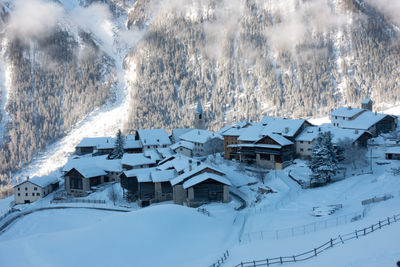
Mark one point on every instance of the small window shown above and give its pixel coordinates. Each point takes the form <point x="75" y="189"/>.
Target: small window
<point x="335" y="117"/>
<point x="301" y="142"/>
<point x="26" y="194"/>
<point x="301" y="149"/>
<point x="19" y="189"/>
<point x="26" y="188"/>
<point x="38" y="194"/>
<point x="35" y="188"/>
<point x="33" y="194"/>
<point x="19" y="193"/>
<point x="309" y="142"/>
<point x="309" y="149"/>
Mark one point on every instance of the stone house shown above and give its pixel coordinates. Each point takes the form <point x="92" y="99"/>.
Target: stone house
<point x="183" y="147"/>
<point x="33" y="189"/>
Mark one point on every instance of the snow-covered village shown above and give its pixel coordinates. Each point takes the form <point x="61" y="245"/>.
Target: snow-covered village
<point x="199" y="133"/>
<point x="276" y="191"/>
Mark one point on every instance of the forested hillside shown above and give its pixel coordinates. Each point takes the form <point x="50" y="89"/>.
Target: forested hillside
<point x="242" y="59"/>
<point x="248" y="58"/>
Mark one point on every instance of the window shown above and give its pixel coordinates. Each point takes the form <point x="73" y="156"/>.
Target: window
<point x="26" y="188"/>
<point x="19" y="188"/>
<point x="265" y="156"/>
<point x="301" y="142"/>
<point x="301" y="149"/>
<point x="35" y="188"/>
<point x="335" y="117"/>
<point x="38" y="194"/>
<point x="33" y="194"/>
<point x="76" y="183"/>
<point x="309" y="149"/>
<point x="19" y="193"/>
<point x="199" y="116"/>
<point x="26" y="194"/>
<point x="309" y="142"/>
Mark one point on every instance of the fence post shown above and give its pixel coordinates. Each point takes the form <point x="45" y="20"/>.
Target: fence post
<point x="315" y="252"/>
<point x="281" y="259"/>
<point x="267" y="262"/>
<point x="388" y="220"/>
<point x="254" y="263"/>
<point x="394" y="217"/>
<point x="364" y="231"/>
<point x="372" y="228"/>
<point x="356" y="234"/>
<point x="294" y="258"/>
<point x="380" y="224"/>
<point x="331" y="242"/>
<point x="241" y="264"/>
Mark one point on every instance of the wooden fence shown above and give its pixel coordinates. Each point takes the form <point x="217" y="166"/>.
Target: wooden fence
<point x="221" y="260"/>
<point x="300" y="229"/>
<point x="74" y="200"/>
<point x="376" y="199"/>
<point x="330" y="244"/>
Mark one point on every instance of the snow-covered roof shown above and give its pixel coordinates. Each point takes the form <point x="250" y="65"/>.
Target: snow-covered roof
<point x="164" y="152"/>
<point x="142" y="175"/>
<point x="283" y="126"/>
<point x="41" y="181"/>
<point x="199" y="136"/>
<point x="163" y="176"/>
<point x="252" y="133"/>
<point x="136" y="159"/>
<point x="195" y="170"/>
<point x="110" y="144"/>
<point x="366" y="101"/>
<point x="152" y="154"/>
<point x="95" y="141"/>
<point x="90" y="171"/>
<point x="203" y="177"/>
<point x="393" y="150"/>
<point x="99" y="162"/>
<point x="132" y="143"/>
<point x="280" y="139"/>
<point x="364" y="121"/>
<point x="310" y="133"/>
<point x="347" y="112"/>
<point x="235" y="130"/>
<point x="153" y="137"/>
<point x="176" y="133"/>
<point x="185" y="144"/>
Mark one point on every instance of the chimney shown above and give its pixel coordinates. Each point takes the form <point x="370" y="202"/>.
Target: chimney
<point x="286" y="130"/>
<point x="356" y="131"/>
<point x="349" y="107"/>
<point x="198" y="163"/>
<point x="319" y="129"/>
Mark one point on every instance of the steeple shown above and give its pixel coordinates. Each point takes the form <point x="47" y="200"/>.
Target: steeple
<point x="199" y="120"/>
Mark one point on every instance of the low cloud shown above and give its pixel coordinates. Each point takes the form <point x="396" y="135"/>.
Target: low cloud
<point x="302" y="22"/>
<point x="390" y="8"/>
<point x="33" y="18"/>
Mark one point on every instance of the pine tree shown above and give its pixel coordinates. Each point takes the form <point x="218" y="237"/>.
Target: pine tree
<point x="118" y="151"/>
<point x="323" y="159"/>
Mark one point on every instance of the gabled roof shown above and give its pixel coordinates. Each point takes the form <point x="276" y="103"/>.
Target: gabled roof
<point x="310" y="133"/>
<point x="142" y="175"/>
<point x="364" y="121"/>
<point x="176" y="133"/>
<point x="95" y="141"/>
<point x="280" y="139"/>
<point x="136" y="159"/>
<point x="236" y="129"/>
<point x="153" y="137"/>
<point x="203" y="177"/>
<point x="152" y="154"/>
<point x="195" y="170"/>
<point x="347" y="112"/>
<point x="199" y="136"/>
<point x="41" y="181"/>
<point x="131" y="143"/>
<point x="283" y="126"/>
<point x="163" y="176"/>
<point x="89" y="172"/>
<point x="185" y="144"/>
<point x="99" y="162"/>
<point x="366" y="101"/>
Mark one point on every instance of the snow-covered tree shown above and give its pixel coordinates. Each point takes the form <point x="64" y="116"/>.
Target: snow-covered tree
<point x="350" y="153"/>
<point x="118" y="151"/>
<point x="323" y="159"/>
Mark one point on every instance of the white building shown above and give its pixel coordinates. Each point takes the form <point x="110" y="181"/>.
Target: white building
<point x="183" y="147"/>
<point x="33" y="189"/>
<point x="205" y="142"/>
<point x="153" y="138"/>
